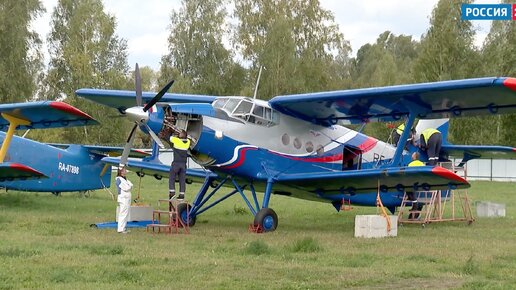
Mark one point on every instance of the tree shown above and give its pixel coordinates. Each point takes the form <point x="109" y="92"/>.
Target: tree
<point x="197" y="58"/>
<point x="389" y="61"/>
<point x="85" y="52"/>
<point x="298" y="42"/>
<point x="21" y="60"/>
<point x="447" y="50"/>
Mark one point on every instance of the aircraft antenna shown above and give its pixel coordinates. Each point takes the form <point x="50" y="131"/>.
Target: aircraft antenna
<point x="257" y="82"/>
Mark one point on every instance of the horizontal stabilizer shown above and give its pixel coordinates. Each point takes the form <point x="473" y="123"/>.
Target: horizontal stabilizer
<point x="10" y="171"/>
<point x="469" y="152"/>
<point x="395" y="179"/>
<point x="106" y="150"/>
<point x="43" y="115"/>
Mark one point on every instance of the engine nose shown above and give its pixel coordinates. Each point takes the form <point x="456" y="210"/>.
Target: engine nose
<point x="136" y="114"/>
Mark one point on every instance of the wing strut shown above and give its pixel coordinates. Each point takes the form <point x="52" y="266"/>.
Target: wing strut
<point x="415" y="110"/>
<point x="13" y="123"/>
<point x="404" y="136"/>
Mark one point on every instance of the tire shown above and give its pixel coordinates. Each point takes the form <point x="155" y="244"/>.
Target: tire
<point x="182" y="210"/>
<point x="267" y="219"/>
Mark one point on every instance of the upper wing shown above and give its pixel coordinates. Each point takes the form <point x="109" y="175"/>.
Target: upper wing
<point x="106" y="150"/>
<point x="468" y="152"/>
<point x="46" y="114"/>
<point x="122" y="100"/>
<point x="159" y="169"/>
<point x="10" y="171"/>
<point x="368" y="180"/>
<point x="445" y="99"/>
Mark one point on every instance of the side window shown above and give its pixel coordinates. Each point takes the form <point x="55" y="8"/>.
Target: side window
<point x="268" y="114"/>
<point x="258" y="110"/>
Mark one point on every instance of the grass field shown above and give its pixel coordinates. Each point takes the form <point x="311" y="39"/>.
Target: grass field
<point x="46" y="242"/>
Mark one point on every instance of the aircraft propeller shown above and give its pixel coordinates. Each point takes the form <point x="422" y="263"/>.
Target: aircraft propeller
<point x="138" y="114"/>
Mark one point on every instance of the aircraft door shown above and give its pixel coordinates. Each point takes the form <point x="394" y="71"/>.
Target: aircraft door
<point x="191" y="123"/>
<point x="351" y="158"/>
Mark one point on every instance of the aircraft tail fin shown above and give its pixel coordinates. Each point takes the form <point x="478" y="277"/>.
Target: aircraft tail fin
<point x="440" y="124"/>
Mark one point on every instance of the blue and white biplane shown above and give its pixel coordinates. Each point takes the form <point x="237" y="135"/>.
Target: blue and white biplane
<point x="28" y="165"/>
<point x="298" y="146"/>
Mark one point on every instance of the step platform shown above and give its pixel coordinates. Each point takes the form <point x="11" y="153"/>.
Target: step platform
<point x="166" y="219"/>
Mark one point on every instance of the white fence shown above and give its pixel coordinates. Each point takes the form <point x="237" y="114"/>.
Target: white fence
<point x="491" y="169"/>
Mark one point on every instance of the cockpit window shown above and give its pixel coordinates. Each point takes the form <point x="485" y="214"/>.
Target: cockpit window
<point x="244" y="108"/>
<point x="249" y="110"/>
<point x="230" y="105"/>
<point x="219" y="103"/>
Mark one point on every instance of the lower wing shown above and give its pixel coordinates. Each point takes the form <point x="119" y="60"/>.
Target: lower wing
<point x="106" y="150"/>
<point x="158" y="169"/>
<point x="370" y="180"/>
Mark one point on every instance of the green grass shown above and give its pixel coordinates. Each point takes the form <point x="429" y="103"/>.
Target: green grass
<point x="47" y="242"/>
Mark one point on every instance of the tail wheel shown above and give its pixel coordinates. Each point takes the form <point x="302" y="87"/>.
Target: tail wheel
<point x="182" y="210"/>
<point x="267" y="219"/>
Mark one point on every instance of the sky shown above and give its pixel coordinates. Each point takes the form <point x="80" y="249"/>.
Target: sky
<point x="145" y="24"/>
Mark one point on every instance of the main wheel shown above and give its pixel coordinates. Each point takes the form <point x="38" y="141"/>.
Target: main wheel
<point x="267" y="219"/>
<point x="182" y="210"/>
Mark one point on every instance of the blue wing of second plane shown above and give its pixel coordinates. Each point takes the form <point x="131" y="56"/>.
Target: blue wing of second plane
<point x="10" y="171"/>
<point x="46" y="114"/>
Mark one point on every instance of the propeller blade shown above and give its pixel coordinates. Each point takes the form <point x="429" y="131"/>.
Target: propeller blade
<point x="158" y="96"/>
<point x="138" y="85"/>
<point x="155" y="137"/>
<point x="128" y="146"/>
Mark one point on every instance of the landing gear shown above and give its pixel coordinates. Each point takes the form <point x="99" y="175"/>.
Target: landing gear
<point x="266" y="219"/>
<point x="183" y="209"/>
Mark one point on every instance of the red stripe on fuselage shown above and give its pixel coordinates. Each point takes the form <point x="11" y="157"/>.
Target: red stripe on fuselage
<point x="367" y="145"/>
<point x="241" y="158"/>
